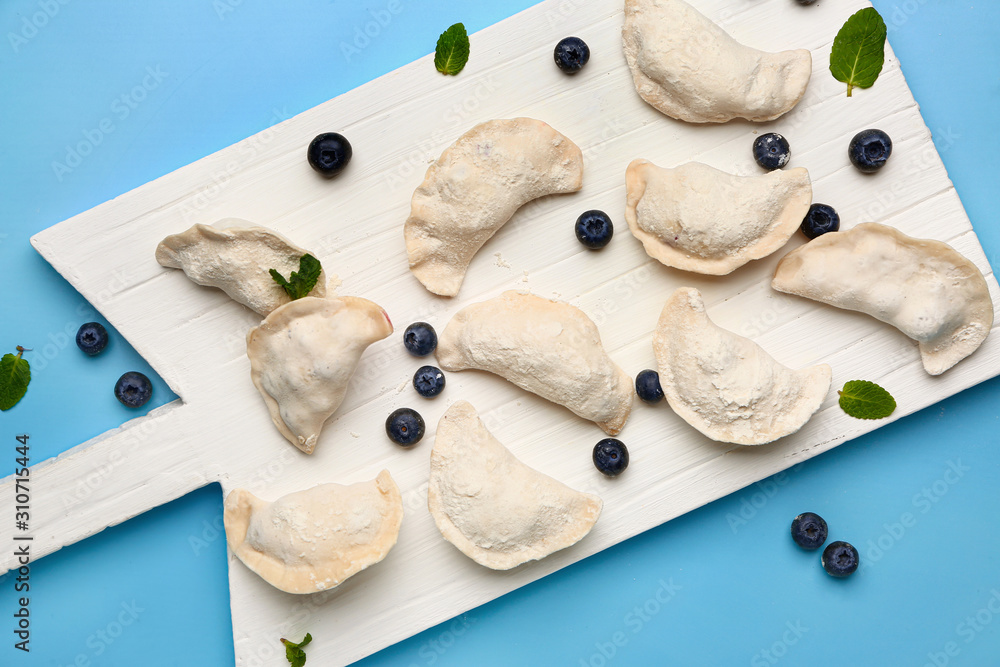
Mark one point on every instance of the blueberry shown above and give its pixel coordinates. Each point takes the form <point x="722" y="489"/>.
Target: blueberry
<point x="420" y="339"/>
<point x="594" y="229"/>
<point x="405" y="427"/>
<point x="869" y="150"/>
<point x="571" y="54"/>
<point x="92" y="338"/>
<point x="771" y="151"/>
<point x="819" y="220"/>
<point x="809" y="530"/>
<point x="329" y="153"/>
<point x="647" y="386"/>
<point x="133" y="389"/>
<point x="611" y="457"/>
<point x="428" y="381"/>
<point x="805" y="2"/>
<point x="840" y="559"/>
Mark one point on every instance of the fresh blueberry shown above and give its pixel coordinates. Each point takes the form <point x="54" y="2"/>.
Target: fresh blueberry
<point x="647" y="386"/>
<point x="840" y="559"/>
<point x="92" y="338"/>
<point x="329" y="153"/>
<point x="869" y="150"/>
<point x="428" y="381"/>
<point x="805" y="2"/>
<point x="771" y="151"/>
<point x="809" y="530"/>
<point x="594" y="229"/>
<point x="420" y="339"/>
<point x="611" y="457"/>
<point x="133" y="389"/>
<point x="571" y="54"/>
<point x="819" y="220"/>
<point x="405" y="427"/>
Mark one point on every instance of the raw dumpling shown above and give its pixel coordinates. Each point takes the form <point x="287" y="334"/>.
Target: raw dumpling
<point x="237" y="260"/>
<point x="547" y="347"/>
<point x="689" y="68"/>
<point x="924" y="288"/>
<point x="725" y="385"/>
<point x="700" y="219"/>
<point x="476" y="186"/>
<point x="313" y="540"/>
<point x="496" y="510"/>
<point x="303" y="355"/>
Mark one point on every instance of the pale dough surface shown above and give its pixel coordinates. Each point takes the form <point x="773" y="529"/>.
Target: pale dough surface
<point x="495" y="509"/>
<point x="924" y="288"/>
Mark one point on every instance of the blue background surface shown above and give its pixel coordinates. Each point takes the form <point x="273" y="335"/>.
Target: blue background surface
<point x="722" y="585"/>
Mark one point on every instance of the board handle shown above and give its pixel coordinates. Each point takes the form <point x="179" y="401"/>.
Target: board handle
<point x="103" y="482"/>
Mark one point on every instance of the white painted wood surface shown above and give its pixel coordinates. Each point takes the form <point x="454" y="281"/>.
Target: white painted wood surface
<point x="220" y="431"/>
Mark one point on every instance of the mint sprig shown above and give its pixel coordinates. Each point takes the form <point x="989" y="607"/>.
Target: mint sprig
<point x="859" y="50"/>
<point x="300" y="283"/>
<point x="294" y="653"/>
<point x="452" y="50"/>
<point x="866" y="400"/>
<point x="15" y="374"/>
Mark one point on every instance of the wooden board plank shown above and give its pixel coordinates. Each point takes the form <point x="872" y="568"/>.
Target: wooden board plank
<point x="194" y="337"/>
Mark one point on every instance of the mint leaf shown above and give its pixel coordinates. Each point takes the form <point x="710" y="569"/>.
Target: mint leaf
<point x="15" y="374"/>
<point x="866" y="400"/>
<point x="859" y="50"/>
<point x="294" y="653"/>
<point x="300" y="283"/>
<point x="452" y="50"/>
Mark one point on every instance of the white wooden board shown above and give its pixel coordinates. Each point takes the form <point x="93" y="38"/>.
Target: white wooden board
<point x="220" y="430"/>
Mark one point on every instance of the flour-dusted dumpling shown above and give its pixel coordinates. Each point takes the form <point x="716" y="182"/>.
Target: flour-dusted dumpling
<point x="689" y="68"/>
<point x="313" y="540"/>
<point x="725" y="385"/>
<point x="547" y="347"/>
<point x="303" y="355"/>
<point x="476" y="186"/>
<point x="237" y="260"/>
<point x="924" y="288"/>
<point x="496" y="510"/>
<point x="700" y="219"/>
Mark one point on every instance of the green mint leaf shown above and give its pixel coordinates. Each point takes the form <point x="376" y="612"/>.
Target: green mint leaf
<point x="278" y="278"/>
<point x="15" y="374"/>
<point x="859" y="50"/>
<point x="300" y="283"/>
<point x="452" y="50"/>
<point x="294" y="653"/>
<point x="866" y="400"/>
